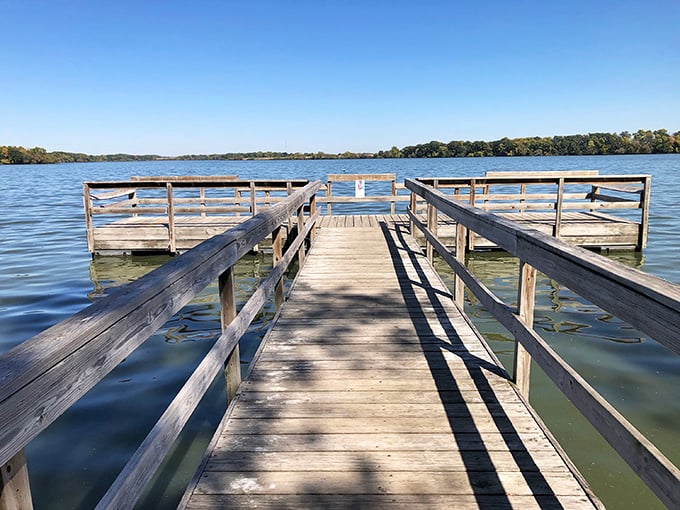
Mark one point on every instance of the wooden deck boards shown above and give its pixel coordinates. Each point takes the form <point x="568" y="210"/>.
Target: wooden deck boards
<point x="372" y="390"/>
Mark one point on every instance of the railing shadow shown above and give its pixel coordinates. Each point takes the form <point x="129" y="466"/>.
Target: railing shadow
<point x="461" y="417"/>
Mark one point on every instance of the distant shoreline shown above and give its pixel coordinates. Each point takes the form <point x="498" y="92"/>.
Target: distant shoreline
<point x="642" y="141"/>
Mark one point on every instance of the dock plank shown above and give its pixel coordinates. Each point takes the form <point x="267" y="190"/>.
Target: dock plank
<point x="373" y="390"/>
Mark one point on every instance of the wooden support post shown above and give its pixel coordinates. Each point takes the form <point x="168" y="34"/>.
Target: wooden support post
<point x="87" y="200"/>
<point x="329" y="193"/>
<point x="593" y="191"/>
<point x="253" y="207"/>
<point x="526" y="297"/>
<point x="432" y="227"/>
<point x="15" y="491"/>
<point x="232" y="367"/>
<point x="132" y="196"/>
<point x="558" y="207"/>
<point x="201" y="194"/>
<point x="253" y="199"/>
<point x="289" y="191"/>
<point x="522" y="200"/>
<point x="458" y="285"/>
<point x="312" y="211"/>
<point x="277" y="253"/>
<point x="393" y="204"/>
<point x="171" y="220"/>
<point x="473" y="192"/>
<point x="300" y="228"/>
<point x="237" y="195"/>
<point x="413" y="206"/>
<point x="645" y="197"/>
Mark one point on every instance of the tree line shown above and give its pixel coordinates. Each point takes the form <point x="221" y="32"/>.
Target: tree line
<point x="592" y="144"/>
<point x="643" y="141"/>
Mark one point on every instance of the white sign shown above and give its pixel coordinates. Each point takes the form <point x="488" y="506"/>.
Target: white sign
<point x="359" y="190"/>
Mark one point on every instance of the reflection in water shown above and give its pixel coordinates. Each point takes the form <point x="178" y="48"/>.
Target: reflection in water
<point x="558" y="310"/>
<point x="200" y="319"/>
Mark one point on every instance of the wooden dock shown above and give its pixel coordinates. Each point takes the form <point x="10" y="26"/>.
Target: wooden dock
<point x="372" y="390"/>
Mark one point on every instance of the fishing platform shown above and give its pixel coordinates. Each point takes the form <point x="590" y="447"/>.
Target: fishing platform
<point x="174" y="214"/>
<point x="372" y="388"/>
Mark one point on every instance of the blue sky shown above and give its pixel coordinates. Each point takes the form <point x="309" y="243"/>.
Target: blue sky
<point x="170" y="77"/>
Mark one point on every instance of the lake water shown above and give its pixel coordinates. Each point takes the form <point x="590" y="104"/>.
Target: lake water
<point x="47" y="275"/>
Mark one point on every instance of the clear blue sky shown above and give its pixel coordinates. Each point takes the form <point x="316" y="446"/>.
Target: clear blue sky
<point x="177" y="77"/>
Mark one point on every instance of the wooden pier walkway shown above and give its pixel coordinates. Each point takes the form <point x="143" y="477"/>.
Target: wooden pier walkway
<point x="372" y="390"/>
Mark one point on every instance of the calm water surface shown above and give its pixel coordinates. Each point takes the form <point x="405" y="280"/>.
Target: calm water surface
<point x="47" y="275"/>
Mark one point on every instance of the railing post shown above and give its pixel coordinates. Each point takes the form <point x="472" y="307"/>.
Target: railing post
<point x="201" y="194"/>
<point x="232" y="367"/>
<point x="312" y="212"/>
<point x="300" y="228"/>
<point x="413" y="205"/>
<point x="237" y="196"/>
<point x="393" y="204"/>
<point x="432" y="227"/>
<point x="253" y="199"/>
<point x="473" y="192"/>
<point x="458" y="285"/>
<point x="87" y="200"/>
<point x="526" y="295"/>
<point x="15" y="491"/>
<point x="645" y="196"/>
<point x="558" y="207"/>
<point x="132" y="197"/>
<point x="289" y="191"/>
<point x="329" y="193"/>
<point x="171" y="220"/>
<point x="523" y="194"/>
<point x="594" y="191"/>
<point x="277" y="253"/>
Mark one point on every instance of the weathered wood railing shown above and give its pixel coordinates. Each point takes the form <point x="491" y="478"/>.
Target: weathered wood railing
<point x="42" y="377"/>
<point x="392" y="197"/>
<point x="176" y="197"/>
<point x="647" y="303"/>
<point x="557" y="192"/>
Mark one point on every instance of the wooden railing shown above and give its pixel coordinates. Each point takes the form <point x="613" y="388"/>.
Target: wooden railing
<point x="556" y="192"/>
<point x="174" y="197"/>
<point x="45" y="375"/>
<point x="647" y="303"/>
<point x="392" y="197"/>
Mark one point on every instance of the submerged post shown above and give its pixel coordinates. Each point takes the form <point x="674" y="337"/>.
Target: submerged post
<point x="232" y="367"/>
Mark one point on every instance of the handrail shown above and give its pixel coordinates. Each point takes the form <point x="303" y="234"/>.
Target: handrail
<point x="43" y="376"/>
<point x="648" y="303"/>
